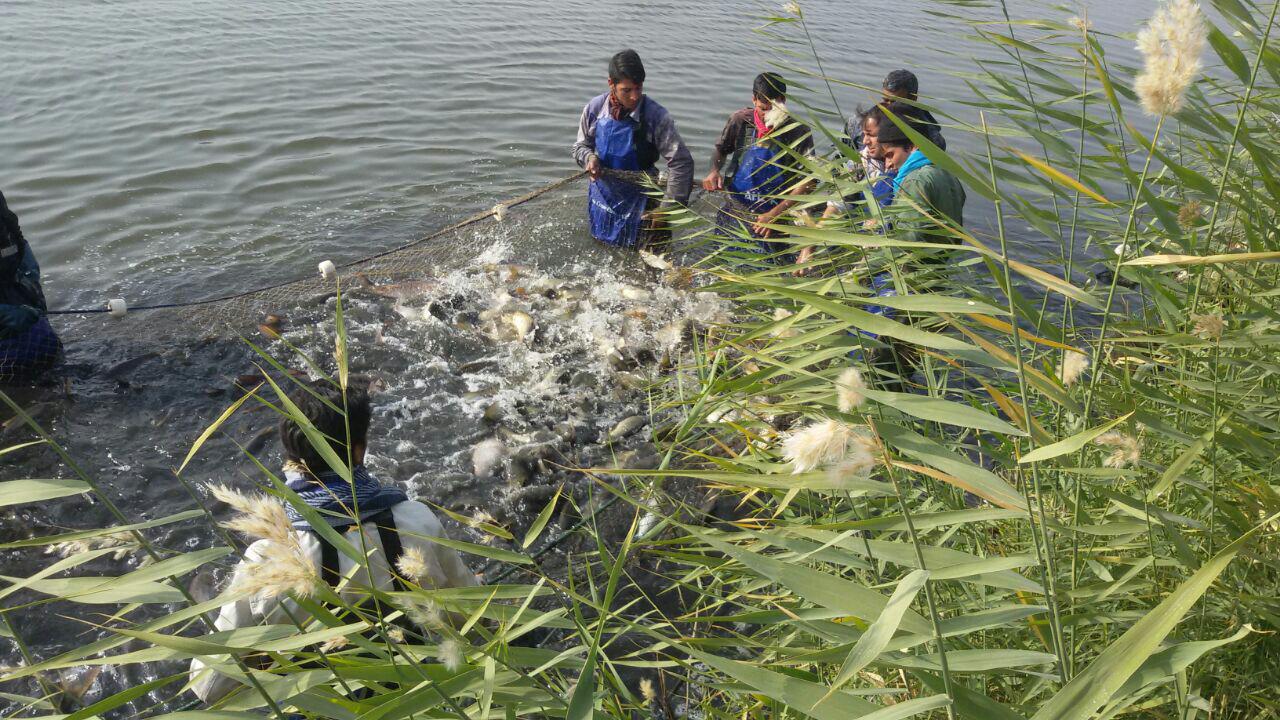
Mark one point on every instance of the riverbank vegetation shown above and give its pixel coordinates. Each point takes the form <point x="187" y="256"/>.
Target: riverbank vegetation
<point x="1058" y="499"/>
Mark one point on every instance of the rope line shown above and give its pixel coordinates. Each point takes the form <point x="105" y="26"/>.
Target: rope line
<point x="451" y="228"/>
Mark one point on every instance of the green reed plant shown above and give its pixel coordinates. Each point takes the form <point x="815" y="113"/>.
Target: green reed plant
<point x="994" y="528"/>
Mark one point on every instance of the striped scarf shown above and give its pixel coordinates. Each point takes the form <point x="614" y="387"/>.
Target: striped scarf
<point x="334" y="498"/>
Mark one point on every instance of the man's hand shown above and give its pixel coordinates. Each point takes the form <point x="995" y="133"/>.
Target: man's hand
<point x="593" y="167"/>
<point x="713" y="182"/>
<point x="806" y="254"/>
<point x="763" y="219"/>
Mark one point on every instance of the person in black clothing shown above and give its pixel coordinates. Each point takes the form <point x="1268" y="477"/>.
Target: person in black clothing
<point x="28" y="344"/>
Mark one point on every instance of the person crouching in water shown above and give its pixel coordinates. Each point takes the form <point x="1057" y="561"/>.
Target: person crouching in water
<point x="762" y="143"/>
<point x="396" y="531"/>
<point x="918" y="184"/>
<point x="28" y="344"/>
<point x="625" y="131"/>
<point x="926" y="201"/>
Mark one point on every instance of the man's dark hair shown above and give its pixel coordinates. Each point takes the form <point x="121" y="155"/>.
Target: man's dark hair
<point x="626" y="65"/>
<point x="321" y="402"/>
<point x="769" y="86"/>
<point x="888" y="133"/>
<point x="902" y="83"/>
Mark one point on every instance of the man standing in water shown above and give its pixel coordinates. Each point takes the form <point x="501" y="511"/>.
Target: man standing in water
<point x="762" y="143"/>
<point x="27" y="342"/>
<point x="624" y="130"/>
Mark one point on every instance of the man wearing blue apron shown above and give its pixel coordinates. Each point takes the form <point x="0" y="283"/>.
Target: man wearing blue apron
<point x="621" y="135"/>
<point x="762" y="144"/>
<point x="27" y="342"/>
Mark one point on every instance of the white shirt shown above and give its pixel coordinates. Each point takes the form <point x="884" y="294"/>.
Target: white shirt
<point x="415" y="523"/>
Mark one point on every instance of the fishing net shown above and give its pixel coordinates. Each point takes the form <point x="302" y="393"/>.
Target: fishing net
<point x="227" y="315"/>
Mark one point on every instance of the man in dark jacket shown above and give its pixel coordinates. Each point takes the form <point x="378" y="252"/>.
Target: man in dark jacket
<point x="27" y="342"/>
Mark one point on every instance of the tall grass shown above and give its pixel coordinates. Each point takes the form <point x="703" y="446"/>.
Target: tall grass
<point x="991" y="528"/>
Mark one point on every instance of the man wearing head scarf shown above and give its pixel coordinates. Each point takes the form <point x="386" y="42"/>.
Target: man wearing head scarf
<point x="621" y="135"/>
<point x="27" y="342"/>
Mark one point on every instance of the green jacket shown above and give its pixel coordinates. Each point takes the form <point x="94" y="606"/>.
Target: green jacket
<point x="940" y="193"/>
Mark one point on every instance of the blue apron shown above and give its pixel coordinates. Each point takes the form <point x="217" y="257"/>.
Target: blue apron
<point x="614" y="207"/>
<point x="758" y="178"/>
<point x="755" y="182"/>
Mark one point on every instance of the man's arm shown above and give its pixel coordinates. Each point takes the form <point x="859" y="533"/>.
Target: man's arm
<point x="666" y="138"/>
<point x="802" y="145"/>
<point x="584" y="148"/>
<point x="726" y="146"/>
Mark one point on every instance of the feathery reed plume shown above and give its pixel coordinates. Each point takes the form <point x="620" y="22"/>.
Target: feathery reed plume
<point x="826" y="443"/>
<point x="261" y="516"/>
<point x="777" y="114"/>
<point x="1125" y="449"/>
<point x="791" y="7"/>
<point x="334" y="643"/>
<point x="396" y="635"/>
<point x="859" y="460"/>
<point x="413" y="564"/>
<point x="1190" y="213"/>
<point x="780" y="314"/>
<point x="284" y="569"/>
<point x="1081" y="24"/>
<point x="1072" y="366"/>
<point x="425" y="614"/>
<point x="1209" y="326"/>
<point x="849" y="387"/>
<point x="449" y="653"/>
<point x="647" y="693"/>
<point x="125" y="541"/>
<point x="1171" y="45"/>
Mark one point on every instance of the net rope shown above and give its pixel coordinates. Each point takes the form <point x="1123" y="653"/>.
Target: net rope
<point x="367" y="260"/>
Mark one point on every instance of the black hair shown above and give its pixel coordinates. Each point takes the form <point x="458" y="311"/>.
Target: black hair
<point x="888" y="132"/>
<point x="626" y="65"/>
<point x="769" y="86"/>
<point x="326" y="419"/>
<point x="902" y="83"/>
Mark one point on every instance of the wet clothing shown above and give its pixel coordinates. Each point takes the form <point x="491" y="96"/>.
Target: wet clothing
<point x="740" y="135"/>
<point x="387" y="533"/>
<point x="938" y="191"/>
<point x="734" y="220"/>
<point x="759" y="170"/>
<point x="631" y="141"/>
<point x="27" y="341"/>
<point x="932" y="188"/>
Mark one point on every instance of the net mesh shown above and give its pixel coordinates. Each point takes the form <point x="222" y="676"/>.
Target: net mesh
<point x="304" y="298"/>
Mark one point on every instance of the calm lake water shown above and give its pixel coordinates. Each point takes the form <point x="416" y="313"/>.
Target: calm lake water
<point x="172" y="149"/>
